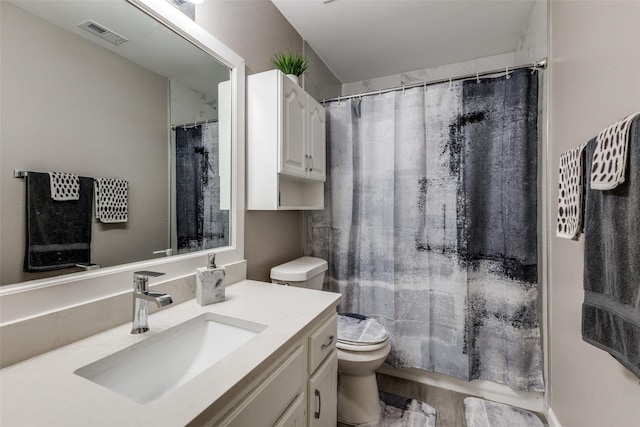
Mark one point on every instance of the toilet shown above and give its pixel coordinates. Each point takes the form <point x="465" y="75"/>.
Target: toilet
<point x="362" y="346"/>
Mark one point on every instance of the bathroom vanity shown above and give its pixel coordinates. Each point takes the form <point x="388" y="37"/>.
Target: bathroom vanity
<point x="285" y="374"/>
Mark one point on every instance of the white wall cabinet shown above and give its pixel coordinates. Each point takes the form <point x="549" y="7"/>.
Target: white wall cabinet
<point x="317" y="140"/>
<point x="286" y="145"/>
<point x="299" y="389"/>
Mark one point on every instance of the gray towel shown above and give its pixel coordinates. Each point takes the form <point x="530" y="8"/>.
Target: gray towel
<point x="58" y="232"/>
<point x="611" y="309"/>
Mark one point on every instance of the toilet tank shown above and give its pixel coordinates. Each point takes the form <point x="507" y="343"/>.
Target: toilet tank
<point x="306" y="272"/>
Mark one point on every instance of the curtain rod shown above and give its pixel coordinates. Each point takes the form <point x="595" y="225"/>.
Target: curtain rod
<point x="194" y="124"/>
<point x="539" y="65"/>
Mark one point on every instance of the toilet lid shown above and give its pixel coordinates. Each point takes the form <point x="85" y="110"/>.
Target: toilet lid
<point x="355" y="329"/>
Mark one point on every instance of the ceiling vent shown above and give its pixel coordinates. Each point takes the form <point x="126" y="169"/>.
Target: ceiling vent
<point x="103" y="32"/>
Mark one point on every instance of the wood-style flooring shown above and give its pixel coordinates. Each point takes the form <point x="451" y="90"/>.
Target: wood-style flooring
<point x="449" y="405"/>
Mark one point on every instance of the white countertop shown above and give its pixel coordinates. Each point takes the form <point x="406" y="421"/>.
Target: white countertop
<point x="44" y="391"/>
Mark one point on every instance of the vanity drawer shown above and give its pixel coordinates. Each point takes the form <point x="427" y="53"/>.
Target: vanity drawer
<point x="322" y="342"/>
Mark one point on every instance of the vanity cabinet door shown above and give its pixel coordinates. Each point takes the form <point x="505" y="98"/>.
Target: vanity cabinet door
<point x="295" y="416"/>
<point x="266" y="404"/>
<point x="322" y="394"/>
<point x="294" y="156"/>
<point x="317" y="137"/>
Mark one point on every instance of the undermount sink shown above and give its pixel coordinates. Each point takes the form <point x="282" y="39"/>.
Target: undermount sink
<point x="150" y="369"/>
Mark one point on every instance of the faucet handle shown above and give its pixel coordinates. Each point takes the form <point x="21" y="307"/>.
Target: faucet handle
<point x="141" y="279"/>
<point x="145" y="273"/>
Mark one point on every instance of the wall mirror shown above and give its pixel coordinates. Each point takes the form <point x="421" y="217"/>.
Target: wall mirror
<point x="119" y="89"/>
<point x="25" y="298"/>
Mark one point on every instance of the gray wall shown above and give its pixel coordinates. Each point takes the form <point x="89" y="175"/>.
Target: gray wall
<point x="67" y="107"/>
<point x="256" y="30"/>
<point x="594" y="82"/>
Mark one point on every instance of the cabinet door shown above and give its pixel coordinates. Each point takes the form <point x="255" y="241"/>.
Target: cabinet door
<point x="317" y="141"/>
<point x="295" y="415"/>
<point x="323" y="394"/>
<point x="269" y="400"/>
<point x="293" y="155"/>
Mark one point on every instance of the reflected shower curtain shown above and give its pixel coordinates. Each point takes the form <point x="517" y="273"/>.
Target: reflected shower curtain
<point x="430" y="224"/>
<point x="200" y="223"/>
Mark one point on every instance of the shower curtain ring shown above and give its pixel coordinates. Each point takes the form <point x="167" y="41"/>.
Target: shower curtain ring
<point x="477" y="77"/>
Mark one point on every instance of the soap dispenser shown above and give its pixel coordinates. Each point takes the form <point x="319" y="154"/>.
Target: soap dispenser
<point x="210" y="282"/>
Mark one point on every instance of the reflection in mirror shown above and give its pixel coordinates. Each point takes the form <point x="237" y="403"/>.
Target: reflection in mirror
<point x="119" y="97"/>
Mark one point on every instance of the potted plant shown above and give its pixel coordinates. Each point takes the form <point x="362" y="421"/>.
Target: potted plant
<point x="291" y="64"/>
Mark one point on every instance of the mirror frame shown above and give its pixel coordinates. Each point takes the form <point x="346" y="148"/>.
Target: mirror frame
<point x="24" y="300"/>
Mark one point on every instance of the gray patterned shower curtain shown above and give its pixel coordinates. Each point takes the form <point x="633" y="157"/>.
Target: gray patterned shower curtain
<point x="430" y="224"/>
<point x="200" y="223"/>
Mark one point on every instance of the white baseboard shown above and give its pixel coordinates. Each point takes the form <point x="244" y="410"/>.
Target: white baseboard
<point x="552" y="420"/>
<point x="486" y="389"/>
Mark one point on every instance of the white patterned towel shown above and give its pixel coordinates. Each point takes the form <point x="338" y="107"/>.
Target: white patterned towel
<point x="570" y="197"/>
<point x="64" y="186"/>
<point x="111" y="200"/>
<point x="610" y="155"/>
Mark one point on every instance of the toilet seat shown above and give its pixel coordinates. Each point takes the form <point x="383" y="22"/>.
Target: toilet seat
<point x="359" y="333"/>
<point x="340" y="345"/>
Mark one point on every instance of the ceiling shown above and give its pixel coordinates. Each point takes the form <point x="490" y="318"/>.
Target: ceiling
<point x="364" y="39"/>
<point x="148" y="43"/>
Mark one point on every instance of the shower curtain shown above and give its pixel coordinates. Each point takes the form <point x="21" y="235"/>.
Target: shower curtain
<point x="200" y="223"/>
<point x="430" y="224"/>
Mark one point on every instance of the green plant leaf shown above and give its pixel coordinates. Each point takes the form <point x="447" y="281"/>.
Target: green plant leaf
<point x="290" y="63"/>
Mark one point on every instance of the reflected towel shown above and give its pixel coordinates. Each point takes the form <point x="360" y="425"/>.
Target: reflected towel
<point x="58" y="234"/>
<point x="64" y="186"/>
<point x="111" y="200"/>
<point x="569" y="224"/>
<point x="610" y="155"/>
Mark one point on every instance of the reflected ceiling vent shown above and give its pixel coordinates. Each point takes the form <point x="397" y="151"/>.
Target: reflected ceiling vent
<point x="103" y="32"/>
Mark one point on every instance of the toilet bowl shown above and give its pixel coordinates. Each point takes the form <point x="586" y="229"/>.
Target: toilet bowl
<point x="362" y="346"/>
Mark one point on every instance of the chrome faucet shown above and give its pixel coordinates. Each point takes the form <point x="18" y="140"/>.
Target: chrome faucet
<point x="141" y="296"/>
